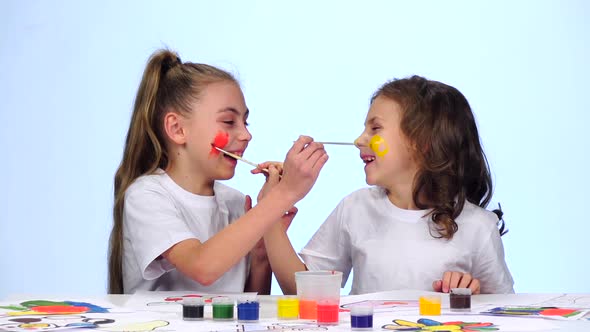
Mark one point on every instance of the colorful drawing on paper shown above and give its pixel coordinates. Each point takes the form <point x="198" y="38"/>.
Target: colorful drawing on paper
<point x="542" y="312"/>
<point x="276" y="327"/>
<point x="64" y="322"/>
<point x="45" y="307"/>
<point x="566" y="300"/>
<point x="381" y="305"/>
<point x="424" y="325"/>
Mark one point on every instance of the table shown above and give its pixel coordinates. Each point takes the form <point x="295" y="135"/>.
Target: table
<point x="268" y="312"/>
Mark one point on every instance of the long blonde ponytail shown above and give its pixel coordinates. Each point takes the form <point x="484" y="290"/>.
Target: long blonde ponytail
<point x="167" y="85"/>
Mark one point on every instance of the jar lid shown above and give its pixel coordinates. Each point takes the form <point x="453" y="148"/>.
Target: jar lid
<point x="461" y="291"/>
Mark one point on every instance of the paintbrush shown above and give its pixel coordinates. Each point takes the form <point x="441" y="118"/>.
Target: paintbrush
<point x="235" y="156"/>
<point x="336" y="143"/>
<point x="333" y="143"/>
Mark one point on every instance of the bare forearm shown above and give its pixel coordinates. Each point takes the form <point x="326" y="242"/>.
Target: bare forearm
<point x="260" y="277"/>
<point x="283" y="258"/>
<point x="208" y="261"/>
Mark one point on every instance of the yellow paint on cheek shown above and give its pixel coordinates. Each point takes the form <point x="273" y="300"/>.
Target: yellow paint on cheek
<point x="378" y="145"/>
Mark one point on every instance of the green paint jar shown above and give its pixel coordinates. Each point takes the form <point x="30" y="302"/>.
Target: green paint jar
<point x="223" y="308"/>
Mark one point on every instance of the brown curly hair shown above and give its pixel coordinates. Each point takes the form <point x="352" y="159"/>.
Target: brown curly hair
<point x="453" y="168"/>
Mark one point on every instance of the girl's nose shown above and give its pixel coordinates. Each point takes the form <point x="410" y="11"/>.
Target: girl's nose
<point x="245" y="135"/>
<point x="361" y="141"/>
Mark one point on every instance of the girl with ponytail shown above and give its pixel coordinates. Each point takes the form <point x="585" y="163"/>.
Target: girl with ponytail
<point x="175" y="226"/>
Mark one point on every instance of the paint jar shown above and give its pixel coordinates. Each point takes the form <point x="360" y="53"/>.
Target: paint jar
<point x="314" y="287"/>
<point x="288" y="307"/>
<point x="248" y="311"/>
<point x="460" y="299"/>
<point x="193" y="308"/>
<point x="308" y="308"/>
<point x="328" y="312"/>
<point x="361" y="317"/>
<point x="430" y="305"/>
<point x="223" y="308"/>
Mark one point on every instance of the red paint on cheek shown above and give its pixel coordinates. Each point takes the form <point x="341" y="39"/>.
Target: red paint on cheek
<point x="220" y="141"/>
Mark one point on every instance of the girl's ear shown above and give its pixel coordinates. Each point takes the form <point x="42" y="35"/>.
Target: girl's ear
<point x="174" y="127"/>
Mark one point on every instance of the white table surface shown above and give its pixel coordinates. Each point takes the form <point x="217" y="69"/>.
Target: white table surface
<point x="268" y="309"/>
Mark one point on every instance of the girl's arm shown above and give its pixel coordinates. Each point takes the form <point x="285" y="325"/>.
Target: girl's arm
<point x="489" y="274"/>
<point x="490" y="266"/>
<point x="207" y="261"/>
<point x="260" y="277"/>
<point x="283" y="258"/>
<point x="279" y="250"/>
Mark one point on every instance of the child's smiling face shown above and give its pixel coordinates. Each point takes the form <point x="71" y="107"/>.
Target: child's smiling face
<point x="384" y="148"/>
<point x="220" y="109"/>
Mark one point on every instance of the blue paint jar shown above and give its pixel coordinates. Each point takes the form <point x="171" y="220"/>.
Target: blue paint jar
<point x="248" y="311"/>
<point x="361" y="318"/>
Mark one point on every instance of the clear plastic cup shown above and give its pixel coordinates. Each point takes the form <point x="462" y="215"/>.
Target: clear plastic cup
<point x="319" y="287"/>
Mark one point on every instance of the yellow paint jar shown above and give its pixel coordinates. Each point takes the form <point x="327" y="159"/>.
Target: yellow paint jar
<point x="430" y="305"/>
<point x="288" y="307"/>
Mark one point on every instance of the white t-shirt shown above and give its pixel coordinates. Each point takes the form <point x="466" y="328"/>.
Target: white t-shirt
<point x="391" y="248"/>
<point x="157" y="214"/>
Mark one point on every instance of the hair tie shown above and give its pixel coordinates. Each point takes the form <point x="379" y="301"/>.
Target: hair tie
<point x="170" y="62"/>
